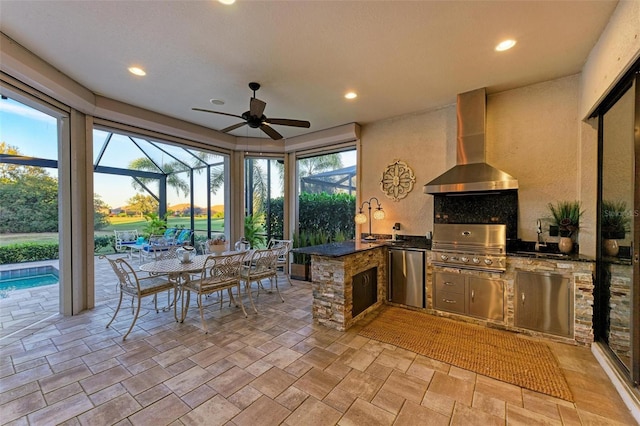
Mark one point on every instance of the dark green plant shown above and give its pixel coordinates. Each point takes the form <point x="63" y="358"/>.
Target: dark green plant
<point x="566" y="216"/>
<point x="28" y="252"/>
<point x="301" y="239"/>
<point x="615" y="219"/>
<point x="155" y="225"/>
<point x="100" y="242"/>
<point x="254" y="230"/>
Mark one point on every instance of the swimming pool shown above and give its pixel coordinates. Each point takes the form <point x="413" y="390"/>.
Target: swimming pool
<point x="19" y="279"/>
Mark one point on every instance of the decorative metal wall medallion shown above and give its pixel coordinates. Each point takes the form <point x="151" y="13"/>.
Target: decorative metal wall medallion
<point x="397" y="180"/>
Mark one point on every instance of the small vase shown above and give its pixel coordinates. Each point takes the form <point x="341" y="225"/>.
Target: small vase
<point x="565" y="245"/>
<point x="611" y="247"/>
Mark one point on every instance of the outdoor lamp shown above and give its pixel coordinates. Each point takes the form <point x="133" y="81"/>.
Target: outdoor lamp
<point x="362" y="218"/>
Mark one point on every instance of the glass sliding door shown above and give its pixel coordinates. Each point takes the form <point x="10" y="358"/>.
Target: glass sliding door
<point x="31" y="137"/>
<point x="326" y="196"/>
<point x="617" y="305"/>
<point x="264" y="199"/>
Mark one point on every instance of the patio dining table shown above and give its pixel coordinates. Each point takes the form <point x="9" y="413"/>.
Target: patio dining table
<point x="179" y="271"/>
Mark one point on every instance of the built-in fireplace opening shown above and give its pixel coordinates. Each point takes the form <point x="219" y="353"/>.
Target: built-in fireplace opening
<point x="364" y="290"/>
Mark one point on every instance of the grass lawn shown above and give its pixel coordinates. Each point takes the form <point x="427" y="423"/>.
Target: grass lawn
<point x="126" y="223"/>
<point x="117" y="223"/>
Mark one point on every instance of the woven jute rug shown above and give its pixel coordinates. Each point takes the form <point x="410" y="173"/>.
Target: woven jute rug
<point x="498" y="354"/>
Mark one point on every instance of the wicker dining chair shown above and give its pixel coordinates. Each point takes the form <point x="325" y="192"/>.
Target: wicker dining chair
<point x="138" y="288"/>
<point x="262" y="264"/>
<point x="220" y="272"/>
<point x="283" y="255"/>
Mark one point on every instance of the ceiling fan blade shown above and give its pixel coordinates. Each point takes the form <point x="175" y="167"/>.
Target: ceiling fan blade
<point x="235" y="126"/>
<point x="271" y="132"/>
<point x="217" y="112"/>
<point x="256" y="107"/>
<point x="288" y="122"/>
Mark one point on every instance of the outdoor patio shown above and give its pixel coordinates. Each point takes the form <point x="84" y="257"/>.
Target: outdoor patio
<point x="274" y="367"/>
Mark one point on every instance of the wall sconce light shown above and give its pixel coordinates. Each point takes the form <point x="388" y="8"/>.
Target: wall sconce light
<point x="361" y="218"/>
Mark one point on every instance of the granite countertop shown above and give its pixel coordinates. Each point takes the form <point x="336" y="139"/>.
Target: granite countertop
<point x="339" y="249"/>
<point x="349" y="247"/>
<point x="573" y="257"/>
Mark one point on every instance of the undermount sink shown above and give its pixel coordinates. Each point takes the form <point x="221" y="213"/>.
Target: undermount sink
<point x="538" y="253"/>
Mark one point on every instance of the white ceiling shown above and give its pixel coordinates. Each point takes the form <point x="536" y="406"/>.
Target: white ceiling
<point x="400" y="56"/>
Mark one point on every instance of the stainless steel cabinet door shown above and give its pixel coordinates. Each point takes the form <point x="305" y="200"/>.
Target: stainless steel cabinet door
<point x="407" y="277"/>
<point x="543" y="302"/>
<point x="486" y="298"/>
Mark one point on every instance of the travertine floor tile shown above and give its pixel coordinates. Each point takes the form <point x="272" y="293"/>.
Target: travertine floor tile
<point x="264" y="411"/>
<point x="364" y="413"/>
<point x="313" y="413"/>
<point x="317" y="383"/>
<point x="413" y="414"/>
<point x="273" y="382"/>
<point x="361" y="385"/>
<point x="215" y="411"/>
<point x="469" y="416"/>
<point x="277" y="367"/>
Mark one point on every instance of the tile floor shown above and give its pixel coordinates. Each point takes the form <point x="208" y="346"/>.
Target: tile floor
<point x="276" y="367"/>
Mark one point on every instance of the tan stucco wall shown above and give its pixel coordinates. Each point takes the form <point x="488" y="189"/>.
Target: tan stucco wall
<point x="616" y="50"/>
<point x="426" y="142"/>
<point x="533" y="133"/>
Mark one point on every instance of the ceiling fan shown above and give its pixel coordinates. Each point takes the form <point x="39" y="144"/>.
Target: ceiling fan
<point x="256" y="119"/>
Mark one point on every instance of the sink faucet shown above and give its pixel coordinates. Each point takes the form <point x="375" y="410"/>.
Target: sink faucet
<point x="540" y="243"/>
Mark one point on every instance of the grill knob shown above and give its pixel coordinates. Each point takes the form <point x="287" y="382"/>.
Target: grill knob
<point x="465" y="259"/>
<point x="488" y="261"/>
<point x="444" y="257"/>
<point x="475" y="260"/>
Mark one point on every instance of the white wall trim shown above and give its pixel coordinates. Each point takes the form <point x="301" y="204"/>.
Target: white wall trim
<point x="623" y="388"/>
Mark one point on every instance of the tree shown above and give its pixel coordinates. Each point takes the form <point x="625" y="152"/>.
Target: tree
<point x="142" y="204"/>
<point x="321" y="163"/>
<point x="100" y="213"/>
<point x="29" y="203"/>
<point x="28" y="197"/>
<point x="171" y="169"/>
<point x="12" y="172"/>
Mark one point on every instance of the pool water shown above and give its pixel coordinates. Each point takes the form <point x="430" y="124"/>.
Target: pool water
<point x="19" y="279"/>
<point x="28" y="282"/>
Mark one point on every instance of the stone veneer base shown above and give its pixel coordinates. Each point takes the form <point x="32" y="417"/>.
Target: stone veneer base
<point x="331" y="283"/>
<point x="332" y="291"/>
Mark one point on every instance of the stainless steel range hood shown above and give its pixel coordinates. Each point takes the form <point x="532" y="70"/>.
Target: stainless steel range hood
<point x="471" y="173"/>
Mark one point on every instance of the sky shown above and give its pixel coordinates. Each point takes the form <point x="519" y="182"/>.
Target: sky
<point x="35" y="135"/>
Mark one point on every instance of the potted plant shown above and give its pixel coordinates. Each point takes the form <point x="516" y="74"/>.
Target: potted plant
<point x="566" y="216"/>
<point x="300" y="265"/>
<point x="254" y="230"/>
<point x="615" y="222"/>
<point x="155" y="225"/>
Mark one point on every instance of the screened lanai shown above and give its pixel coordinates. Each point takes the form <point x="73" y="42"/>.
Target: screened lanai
<point x="331" y="182"/>
<point x="138" y="175"/>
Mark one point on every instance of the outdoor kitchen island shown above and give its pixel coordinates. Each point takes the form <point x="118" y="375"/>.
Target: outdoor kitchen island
<point x="348" y="280"/>
<point x="341" y="271"/>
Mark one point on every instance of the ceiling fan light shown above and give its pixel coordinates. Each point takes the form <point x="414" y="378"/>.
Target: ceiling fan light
<point x="137" y="71"/>
<point x="505" y="45"/>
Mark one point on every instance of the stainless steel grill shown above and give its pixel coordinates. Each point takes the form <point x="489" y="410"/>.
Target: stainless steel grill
<point x="470" y="246"/>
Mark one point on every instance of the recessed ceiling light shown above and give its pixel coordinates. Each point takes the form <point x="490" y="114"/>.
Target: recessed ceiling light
<point x="137" y="71"/>
<point x="227" y="2"/>
<point x="351" y="95"/>
<point x="505" y="45"/>
<point x="217" y="101"/>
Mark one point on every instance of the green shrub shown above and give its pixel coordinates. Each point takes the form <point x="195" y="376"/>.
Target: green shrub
<point x="28" y="252"/>
<point x="328" y="213"/>
<point x="101" y="242"/>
